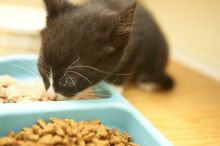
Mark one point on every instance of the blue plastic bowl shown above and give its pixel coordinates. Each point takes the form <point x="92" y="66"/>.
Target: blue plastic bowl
<point x="114" y="111"/>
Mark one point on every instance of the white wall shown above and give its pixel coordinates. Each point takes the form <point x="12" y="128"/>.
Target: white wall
<point x="193" y="30"/>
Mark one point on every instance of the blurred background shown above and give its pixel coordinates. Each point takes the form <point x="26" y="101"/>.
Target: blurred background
<point x="190" y="114"/>
<point x="192" y="28"/>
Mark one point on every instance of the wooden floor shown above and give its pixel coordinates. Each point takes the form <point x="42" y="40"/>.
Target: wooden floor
<point x="189" y="115"/>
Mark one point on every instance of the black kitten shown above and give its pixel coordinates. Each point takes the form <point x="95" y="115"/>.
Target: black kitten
<point x="101" y="40"/>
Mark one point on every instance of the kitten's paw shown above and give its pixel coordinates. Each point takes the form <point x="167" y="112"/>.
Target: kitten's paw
<point x="147" y="87"/>
<point x="149" y="83"/>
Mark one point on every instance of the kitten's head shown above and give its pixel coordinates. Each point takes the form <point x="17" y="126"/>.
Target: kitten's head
<point x="80" y="44"/>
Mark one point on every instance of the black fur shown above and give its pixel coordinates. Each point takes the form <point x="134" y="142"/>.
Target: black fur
<point x="114" y="37"/>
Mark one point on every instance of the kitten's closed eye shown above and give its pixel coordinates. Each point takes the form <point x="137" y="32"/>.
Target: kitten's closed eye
<point x="67" y="81"/>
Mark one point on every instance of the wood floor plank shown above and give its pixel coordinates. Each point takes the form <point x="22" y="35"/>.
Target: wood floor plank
<point x="188" y="115"/>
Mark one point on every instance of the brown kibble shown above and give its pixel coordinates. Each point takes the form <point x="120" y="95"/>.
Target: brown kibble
<point x="56" y="140"/>
<point x="19" y="136"/>
<point x="57" y="121"/>
<point x="34" y="137"/>
<point x="91" y="144"/>
<point x="103" y="131"/>
<point x="121" y="144"/>
<point x="67" y="132"/>
<point x="100" y="142"/>
<point x="41" y="123"/>
<point x="73" y="125"/>
<point x="74" y="131"/>
<point x="66" y="140"/>
<point x="81" y="143"/>
<point x="36" y="129"/>
<point x="89" y="137"/>
<point x="126" y="136"/>
<point x="92" y="128"/>
<point x="115" y="132"/>
<point x="80" y="126"/>
<point x="54" y="120"/>
<point x="22" y="136"/>
<point x="115" y="139"/>
<point x="131" y="144"/>
<point x="48" y="129"/>
<point x="69" y="121"/>
<point x="59" y="130"/>
<point x="11" y="134"/>
<point x="7" y="141"/>
<point x="74" y="140"/>
<point x="27" y="130"/>
<point x="46" y="139"/>
<point x="79" y="136"/>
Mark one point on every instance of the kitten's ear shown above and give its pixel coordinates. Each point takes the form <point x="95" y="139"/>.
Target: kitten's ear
<point x="55" y="7"/>
<point x="123" y="21"/>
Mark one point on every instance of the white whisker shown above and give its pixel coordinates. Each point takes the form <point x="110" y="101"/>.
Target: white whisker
<point x="64" y="76"/>
<point x="73" y="63"/>
<point x="73" y="83"/>
<point x="66" y="70"/>
<point x="86" y="66"/>
<point x="82" y="77"/>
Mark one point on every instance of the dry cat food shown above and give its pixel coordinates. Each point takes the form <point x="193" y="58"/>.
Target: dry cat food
<point x="67" y="132"/>
<point x="12" y="91"/>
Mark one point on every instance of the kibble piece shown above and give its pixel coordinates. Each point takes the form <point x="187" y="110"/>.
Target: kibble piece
<point x="89" y="137"/>
<point x="80" y="126"/>
<point x="101" y="142"/>
<point x="36" y="129"/>
<point x="48" y="129"/>
<point x="66" y="140"/>
<point x="11" y="134"/>
<point x="46" y="139"/>
<point x="34" y="137"/>
<point x="23" y="136"/>
<point x="120" y="144"/>
<point x="74" y="131"/>
<point x="68" y="130"/>
<point x="103" y="131"/>
<point x="69" y="121"/>
<point x="7" y="141"/>
<point x="56" y="140"/>
<point x="81" y="142"/>
<point x="115" y="132"/>
<point x="115" y="139"/>
<point x="59" y="131"/>
<point x="91" y="144"/>
<point x="41" y="123"/>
